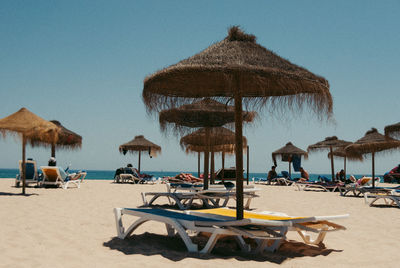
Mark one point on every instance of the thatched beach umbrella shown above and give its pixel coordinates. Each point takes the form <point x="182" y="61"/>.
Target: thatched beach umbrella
<point x="341" y="152"/>
<point x="30" y="128"/>
<point x="287" y="152"/>
<point x="223" y="149"/>
<point x="373" y="142"/>
<point x="240" y="69"/>
<point x="139" y="144"/>
<point x="205" y="113"/>
<point x="330" y="143"/>
<point x="220" y="140"/>
<point x="393" y="130"/>
<point x="67" y="139"/>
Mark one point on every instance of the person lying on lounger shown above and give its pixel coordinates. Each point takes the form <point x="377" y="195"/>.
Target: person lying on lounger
<point x="304" y="176"/>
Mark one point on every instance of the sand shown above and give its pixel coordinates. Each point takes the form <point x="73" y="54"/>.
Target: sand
<point x="76" y="228"/>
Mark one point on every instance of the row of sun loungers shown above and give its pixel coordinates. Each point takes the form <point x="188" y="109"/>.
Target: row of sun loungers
<point x="185" y="195"/>
<point x="266" y="229"/>
<point x="51" y="176"/>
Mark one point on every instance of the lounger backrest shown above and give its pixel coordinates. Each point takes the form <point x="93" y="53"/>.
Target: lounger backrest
<point x="51" y="173"/>
<point x="30" y="169"/>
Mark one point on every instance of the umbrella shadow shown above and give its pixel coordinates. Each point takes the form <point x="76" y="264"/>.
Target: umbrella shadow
<point x="16" y="194"/>
<point x="174" y="249"/>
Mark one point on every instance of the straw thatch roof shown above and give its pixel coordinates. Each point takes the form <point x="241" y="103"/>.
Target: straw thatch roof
<point x="67" y="139"/>
<point x="29" y="125"/>
<point x="288" y="150"/>
<point x="393" y="130"/>
<point x="218" y="136"/>
<point x="227" y="149"/>
<point x="372" y="142"/>
<point x="139" y="143"/>
<point x="341" y="152"/>
<point x="329" y="142"/>
<point x="237" y="59"/>
<point x="203" y="113"/>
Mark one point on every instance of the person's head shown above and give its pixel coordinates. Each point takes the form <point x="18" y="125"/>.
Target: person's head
<point x="301" y="169"/>
<point x="129" y="165"/>
<point x="52" y="161"/>
<point x="273" y="167"/>
<point x="342" y="171"/>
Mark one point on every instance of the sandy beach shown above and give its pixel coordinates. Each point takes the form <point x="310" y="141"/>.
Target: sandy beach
<point x="76" y="228"/>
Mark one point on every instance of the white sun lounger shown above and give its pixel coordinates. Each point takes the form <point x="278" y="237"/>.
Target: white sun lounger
<point x="304" y="226"/>
<point x="215" y="196"/>
<point x="52" y="176"/>
<point x="261" y="230"/>
<point x="301" y="186"/>
<point x="389" y="198"/>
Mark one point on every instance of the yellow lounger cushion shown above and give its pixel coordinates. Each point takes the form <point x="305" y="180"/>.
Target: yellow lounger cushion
<point x="252" y="215"/>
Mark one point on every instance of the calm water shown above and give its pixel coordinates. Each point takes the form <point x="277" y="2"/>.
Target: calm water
<point x="109" y="174"/>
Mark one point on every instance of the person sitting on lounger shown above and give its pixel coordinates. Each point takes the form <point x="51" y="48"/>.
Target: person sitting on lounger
<point x="304" y="176"/>
<point x="52" y="162"/>
<point x="272" y="174"/>
<point x="340" y="176"/>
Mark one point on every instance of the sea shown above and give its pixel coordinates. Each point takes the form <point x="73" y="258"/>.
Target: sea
<point x="109" y="174"/>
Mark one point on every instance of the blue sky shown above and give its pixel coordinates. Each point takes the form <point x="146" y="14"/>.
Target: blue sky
<point x="83" y="63"/>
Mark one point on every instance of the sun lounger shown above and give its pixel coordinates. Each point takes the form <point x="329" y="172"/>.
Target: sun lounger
<point x="304" y="226"/>
<point x="357" y="190"/>
<point x="31" y="177"/>
<point x="389" y="199"/>
<point x="317" y="186"/>
<point x="185" y="196"/>
<point x="53" y="177"/>
<point x="262" y="231"/>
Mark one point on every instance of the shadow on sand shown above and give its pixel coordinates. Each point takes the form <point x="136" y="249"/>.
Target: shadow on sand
<point x="16" y="194"/>
<point x="174" y="249"/>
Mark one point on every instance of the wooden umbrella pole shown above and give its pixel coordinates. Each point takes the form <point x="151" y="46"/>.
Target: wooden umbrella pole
<point x="373" y="169"/>
<point x="248" y="165"/>
<point x="206" y="158"/>
<point x="212" y="169"/>
<point x="332" y="167"/>
<point x="53" y="150"/>
<point x="198" y="164"/>
<point x="290" y="169"/>
<point x="344" y="165"/>
<point x="140" y="153"/>
<point x="223" y="166"/>
<point x="239" y="151"/>
<point x="23" y="164"/>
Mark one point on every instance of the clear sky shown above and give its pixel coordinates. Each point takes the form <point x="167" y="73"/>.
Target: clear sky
<point x="83" y="63"/>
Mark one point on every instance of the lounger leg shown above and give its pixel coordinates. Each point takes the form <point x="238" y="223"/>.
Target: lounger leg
<point x="242" y="244"/>
<point x="307" y="238"/>
<point x="144" y="199"/>
<point x="170" y="230"/>
<point x="210" y="243"/>
<point x="262" y="244"/>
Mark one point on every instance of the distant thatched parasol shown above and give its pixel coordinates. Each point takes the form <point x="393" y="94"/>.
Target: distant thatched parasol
<point x="240" y="69"/>
<point x="372" y="143"/>
<point x="330" y="143"/>
<point x="341" y="152"/>
<point x="67" y="139"/>
<point x="287" y="152"/>
<point x="220" y="140"/>
<point x="205" y="113"/>
<point x="30" y="128"/>
<point x="139" y="144"/>
<point x="393" y="130"/>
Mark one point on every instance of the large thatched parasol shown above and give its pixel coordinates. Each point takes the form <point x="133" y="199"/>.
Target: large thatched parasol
<point x="372" y="143"/>
<point x="67" y="139"/>
<point x="330" y="143"/>
<point x="139" y="144"/>
<point x="393" y="130"/>
<point x="237" y="67"/>
<point x="205" y="113"/>
<point x="341" y="152"/>
<point x="30" y="128"/>
<point x="287" y="152"/>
